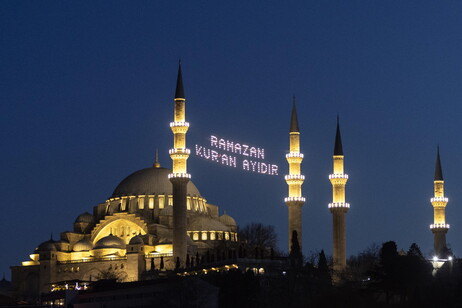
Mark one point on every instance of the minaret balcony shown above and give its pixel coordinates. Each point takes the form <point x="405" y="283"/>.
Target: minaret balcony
<point x="179" y="151"/>
<point x="439" y="199"/>
<point x="179" y="127"/>
<point x="294" y="199"/>
<point x="294" y="177"/>
<point x="179" y="175"/>
<point x="439" y="226"/>
<point x="294" y="154"/>
<point x="179" y="124"/>
<point x="339" y="205"/>
<point x="338" y="176"/>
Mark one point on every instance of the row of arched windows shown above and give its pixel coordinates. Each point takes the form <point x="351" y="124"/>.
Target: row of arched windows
<point x="213" y="236"/>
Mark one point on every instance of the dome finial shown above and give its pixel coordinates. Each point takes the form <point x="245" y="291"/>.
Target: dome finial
<point x="156" y="163"/>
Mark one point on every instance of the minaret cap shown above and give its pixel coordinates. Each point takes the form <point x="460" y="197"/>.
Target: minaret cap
<point x="294" y="121"/>
<point x="438" y="170"/>
<point x="338" y="149"/>
<point x="179" y="93"/>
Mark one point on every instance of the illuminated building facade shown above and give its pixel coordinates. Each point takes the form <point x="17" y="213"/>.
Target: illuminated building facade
<point x="439" y="202"/>
<point x="143" y="224"/>
<point x="294" y="179"/>
<point x="338" y="207"/>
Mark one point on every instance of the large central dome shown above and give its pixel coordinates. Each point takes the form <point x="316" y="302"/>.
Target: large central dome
<point x="149" y="181"/>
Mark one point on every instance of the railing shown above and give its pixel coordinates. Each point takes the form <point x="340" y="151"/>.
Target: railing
<point x="294" y="177"/>
<point x="158" y="255"/>
<point x="299" y="199"/>
<point x="179" y="124"/>
<point x="92" y="260"/>
<point x="338" y="176"/>
<point x="294" y="154"/>
<point x="339" y="205"/>
<point x="439" y="199"/>
<point x="439" y="226"/>
<point x="179" y="175"/>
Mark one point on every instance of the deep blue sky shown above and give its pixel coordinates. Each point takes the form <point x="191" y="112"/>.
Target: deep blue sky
<point x="86" y="94"/>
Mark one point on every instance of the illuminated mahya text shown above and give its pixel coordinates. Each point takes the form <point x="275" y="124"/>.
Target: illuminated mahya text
<point x="221" y="150"/>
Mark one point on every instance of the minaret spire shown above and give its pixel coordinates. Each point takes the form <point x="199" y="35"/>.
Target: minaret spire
<point x="338" y="149"/>
<point x="179" y="93"/>
<point x="439" y="227"/>
<point x="338" y="207"/>
<point x="293" y="120"/>
<point x="294" y="180"/>
<point x="438" y="170"/>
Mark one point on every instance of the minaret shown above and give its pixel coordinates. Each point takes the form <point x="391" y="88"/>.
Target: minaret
<point x="294" y="180"/>
<point x="179" y="176"/>
<point x="338" y="207"/>
<point x="439" y="201"/>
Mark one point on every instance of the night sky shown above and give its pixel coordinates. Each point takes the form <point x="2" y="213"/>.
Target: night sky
<point x="86" y="92"/>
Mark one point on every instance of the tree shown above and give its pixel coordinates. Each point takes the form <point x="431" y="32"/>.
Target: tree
<point x="295" y="256"/>
<point x="323" y="269"/>
<point x="112" y="274"/>
<point x="259" y="235"/>
<point x="414" y="250"/>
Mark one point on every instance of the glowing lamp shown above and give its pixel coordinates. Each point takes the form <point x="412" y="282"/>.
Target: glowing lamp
<point x="338" y="176"/>
<point x="298" y="199"/>
<point x="179" y="175"/>
<point x="339" y="205"/>
<point x="179" y="124"/>
<point x="439" y="199"/>
<point x="294" y="154"/>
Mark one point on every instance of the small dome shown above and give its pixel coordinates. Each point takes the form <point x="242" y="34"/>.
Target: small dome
<point x="83" y="245"/>
<point x="47" y="246"/>
<point x="228" y="220"/>
<point x="167" y="211"/>
<point x="136" y="240"/>
<point x="110" y="241"/>
<point x="85" y="217"/>
<point x="204" y="223"/>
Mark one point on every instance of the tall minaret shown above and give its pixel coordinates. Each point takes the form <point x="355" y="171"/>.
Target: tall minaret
<point x="338" y="207"/>
<point x="179" y="176"/>
<point x="439" y="201"/>
<point x="294" y="180"/>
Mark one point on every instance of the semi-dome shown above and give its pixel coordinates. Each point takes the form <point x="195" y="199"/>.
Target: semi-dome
<point x="83" y="245"/>
<point x="203" y="223"/>
<point x="110" y="241"/>
<point x="49" y="245"/>
<point x="84" y="217"/>
<point x="227" y="220"/>
<point x="150" y="181"/>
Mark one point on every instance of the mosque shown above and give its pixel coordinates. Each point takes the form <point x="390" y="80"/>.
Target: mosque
<point x="156" y="218"/>
<point x="135" y="229"/>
